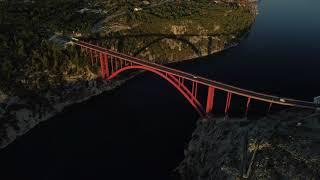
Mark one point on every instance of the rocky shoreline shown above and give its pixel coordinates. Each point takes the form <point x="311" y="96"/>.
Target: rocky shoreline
<point x="283" y="145"/>
<point x="18" y="115"/>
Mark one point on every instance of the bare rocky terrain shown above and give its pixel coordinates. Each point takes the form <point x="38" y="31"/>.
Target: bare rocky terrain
<point x="284" y="145"/>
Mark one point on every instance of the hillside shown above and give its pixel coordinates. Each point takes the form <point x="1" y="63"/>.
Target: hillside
<point x="284" y="145"/>
<point x="38" y="77"/>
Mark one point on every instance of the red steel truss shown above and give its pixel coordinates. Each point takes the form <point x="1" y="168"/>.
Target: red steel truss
<point x="113" y="63"/>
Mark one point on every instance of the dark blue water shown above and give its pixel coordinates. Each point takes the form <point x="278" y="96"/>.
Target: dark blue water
<point x="280" y="55"/>
<point x="139" y="131"/>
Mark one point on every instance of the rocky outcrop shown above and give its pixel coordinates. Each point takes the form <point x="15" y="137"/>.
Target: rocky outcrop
<point x="19" y="114"/>
<point x="285" y="145"/>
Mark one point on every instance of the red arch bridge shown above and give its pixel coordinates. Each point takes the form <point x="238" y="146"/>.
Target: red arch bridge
<point x="113" y="63"/>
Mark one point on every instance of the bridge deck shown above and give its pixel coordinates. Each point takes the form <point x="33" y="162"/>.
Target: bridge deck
<point x="201" y="80"/>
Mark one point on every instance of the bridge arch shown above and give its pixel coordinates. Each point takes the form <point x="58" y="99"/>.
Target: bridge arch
<point x="177" y="78"/>
<point x="172" y="80"/>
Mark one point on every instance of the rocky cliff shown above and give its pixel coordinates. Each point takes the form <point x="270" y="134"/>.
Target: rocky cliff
<point x="284" y="145"/>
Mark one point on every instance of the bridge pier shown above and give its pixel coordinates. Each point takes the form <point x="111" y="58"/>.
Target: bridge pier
<point x="247" y="107"/>
<point x="102" y="69"/>
<point x="210" y="99"/>
<point x="194" y="90"/>
<point x="269" y="109"/>
<point x="104" y="65"/>
<point x="107" y="73"/>
<point x="229" y="96"/>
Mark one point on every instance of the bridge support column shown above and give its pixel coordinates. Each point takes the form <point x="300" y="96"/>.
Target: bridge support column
<point x="210" y="99"/>
<point x="269" y="109"/>
<point x="102" y="69"/>
<point x="229" y="96"/>
<point x="194" y="89"/>
<point x="106" y="66"/>
<point x="247" y="107"/>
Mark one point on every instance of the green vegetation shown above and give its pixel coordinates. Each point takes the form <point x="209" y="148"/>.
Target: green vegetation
<point x="179" y="10"/>
<point x="30" y="61"/>
<point x="177" y="30"/>
<point x="232" y="19"/>
<point x="27" y="58"/>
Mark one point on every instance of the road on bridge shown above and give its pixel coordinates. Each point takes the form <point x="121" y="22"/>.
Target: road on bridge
<point x="201" y="80"/>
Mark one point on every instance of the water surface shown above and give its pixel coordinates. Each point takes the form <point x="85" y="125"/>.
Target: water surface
<point x="139" y="131"/>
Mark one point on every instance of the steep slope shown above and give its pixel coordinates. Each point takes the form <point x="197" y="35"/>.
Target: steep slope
<point x="285" y="145"/>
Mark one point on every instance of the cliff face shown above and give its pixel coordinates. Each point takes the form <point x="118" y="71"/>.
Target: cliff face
<point x="280" y="146"/>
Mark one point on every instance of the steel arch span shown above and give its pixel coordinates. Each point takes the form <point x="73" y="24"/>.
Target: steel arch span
<point x="181" y="87"/>
<point x="112" y="63"/>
